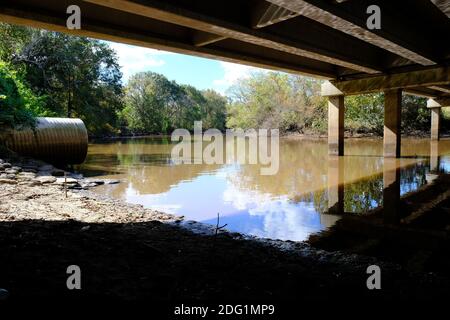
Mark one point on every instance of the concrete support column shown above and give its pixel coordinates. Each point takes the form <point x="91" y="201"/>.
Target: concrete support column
<point x="435" y="123"/>
<point x="336" y="125"/>
<point x="434" y="162"/>
<point x="434" y="156"/>
<point x="392" y="123"/>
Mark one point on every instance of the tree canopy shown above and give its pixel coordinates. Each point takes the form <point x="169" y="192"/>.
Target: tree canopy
<point x="75" y="76"/>
<point x="153" y="104"/>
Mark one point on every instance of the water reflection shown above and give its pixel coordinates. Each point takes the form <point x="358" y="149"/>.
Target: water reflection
<point x="307" y="195"/>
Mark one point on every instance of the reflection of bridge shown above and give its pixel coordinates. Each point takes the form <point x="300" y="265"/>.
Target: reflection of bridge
<point x="391" y="185"/>
<point x="328" y="39"/>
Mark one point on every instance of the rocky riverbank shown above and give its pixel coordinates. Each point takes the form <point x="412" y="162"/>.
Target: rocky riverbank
<point x="33" y="189"/>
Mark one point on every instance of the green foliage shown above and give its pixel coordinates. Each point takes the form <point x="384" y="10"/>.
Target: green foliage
<point x="18" y="105"/>
<point x="153" y="104"/>
<point x="276" y="100"/>
<point x="365" y="113"/>
<point x="76" y="76"/>
<point x="14" y="39"/>
<point x="293" y="103"/>
<point x="415" y="114"/>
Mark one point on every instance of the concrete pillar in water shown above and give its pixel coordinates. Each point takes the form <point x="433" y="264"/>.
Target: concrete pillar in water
<point x="434" y="156"/>
<point x="435" y="123"/>
<point x="392" y="123"/>
<point x="335" y="185"/>
<point x="391" y="191"/>
<point x="434" y="161"/>
<point x="336" y="125"/>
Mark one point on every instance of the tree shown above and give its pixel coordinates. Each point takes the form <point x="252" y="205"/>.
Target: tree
<point x="365" y="113"/>
<point x="214" y="110"/>
<point x="79" y="77"/>
<point x="277" y="100"/>
<point x="156" y="105"/>
<point x="18" y="105"/>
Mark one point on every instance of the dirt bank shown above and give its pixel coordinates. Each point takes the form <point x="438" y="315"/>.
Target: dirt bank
<point x="127" y="252"/>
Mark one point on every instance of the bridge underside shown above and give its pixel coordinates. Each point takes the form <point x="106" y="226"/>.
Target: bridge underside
<point x="321" y="38"/>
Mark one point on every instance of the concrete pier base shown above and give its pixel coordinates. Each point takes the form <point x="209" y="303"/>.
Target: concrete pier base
<point x="435" y="123"/>
<point x="434" y="156"/>
<point x="392" y="123"/>
<point x="336" y="125"/>
<point x="434" y="162"/>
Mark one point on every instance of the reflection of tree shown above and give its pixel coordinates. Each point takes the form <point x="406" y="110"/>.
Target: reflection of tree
<point x="364" y="195"/>
<point x="304" y="167"/>
<point x="146" y="162"/>
<point x="413" y="177"/>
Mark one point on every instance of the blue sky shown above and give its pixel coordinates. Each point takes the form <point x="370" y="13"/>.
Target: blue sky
<point x="198" y="72"/>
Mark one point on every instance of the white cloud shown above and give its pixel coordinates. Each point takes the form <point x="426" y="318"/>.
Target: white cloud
<point x="232" y="73"/>
<point x="134" y="59"/>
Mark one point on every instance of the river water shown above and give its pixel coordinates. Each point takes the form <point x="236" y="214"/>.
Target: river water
<point x="307" y="195"/>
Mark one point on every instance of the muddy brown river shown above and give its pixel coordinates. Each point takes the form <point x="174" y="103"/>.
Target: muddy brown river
<point x="306" y="196"/>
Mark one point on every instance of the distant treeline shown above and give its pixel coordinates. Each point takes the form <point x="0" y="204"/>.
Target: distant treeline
<point x="293" y="104"/>
<point x="45" y="73"/>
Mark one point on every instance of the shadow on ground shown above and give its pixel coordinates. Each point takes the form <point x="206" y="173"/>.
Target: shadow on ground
<point x="158" y="261"/>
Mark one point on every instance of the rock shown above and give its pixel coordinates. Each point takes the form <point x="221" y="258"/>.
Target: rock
<point x="77" y="176"/>
<point x="4" y="294"/>
<point x="47" y="167"/>
<point x="29" y="171"/>
<point x="33" y="183"/>
<point x="68" y="181"/>
<point x="58" y="173"/>
<point x="18" y="169"/>
<point x="6" y="165"/>
<point x="11" y="171"/>
<point x="10" y="176"/>
<point x="96" y="182"/>
<point x="26" y="175"/>
<point x="112" y="181"/>
<point x="76" y="186"/>
<point x="7" y="181"/>
<point x="89" y="185"/>
<point x="46" y="179"/>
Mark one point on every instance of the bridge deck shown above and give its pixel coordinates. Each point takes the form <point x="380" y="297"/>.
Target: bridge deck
<point x="327" y="39"/>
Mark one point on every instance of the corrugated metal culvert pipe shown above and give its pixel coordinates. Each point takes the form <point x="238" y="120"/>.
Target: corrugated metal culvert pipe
<point x="55" y="140"/>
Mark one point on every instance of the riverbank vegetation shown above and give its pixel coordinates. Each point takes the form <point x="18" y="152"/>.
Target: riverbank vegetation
<point x="45" y="73"/>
